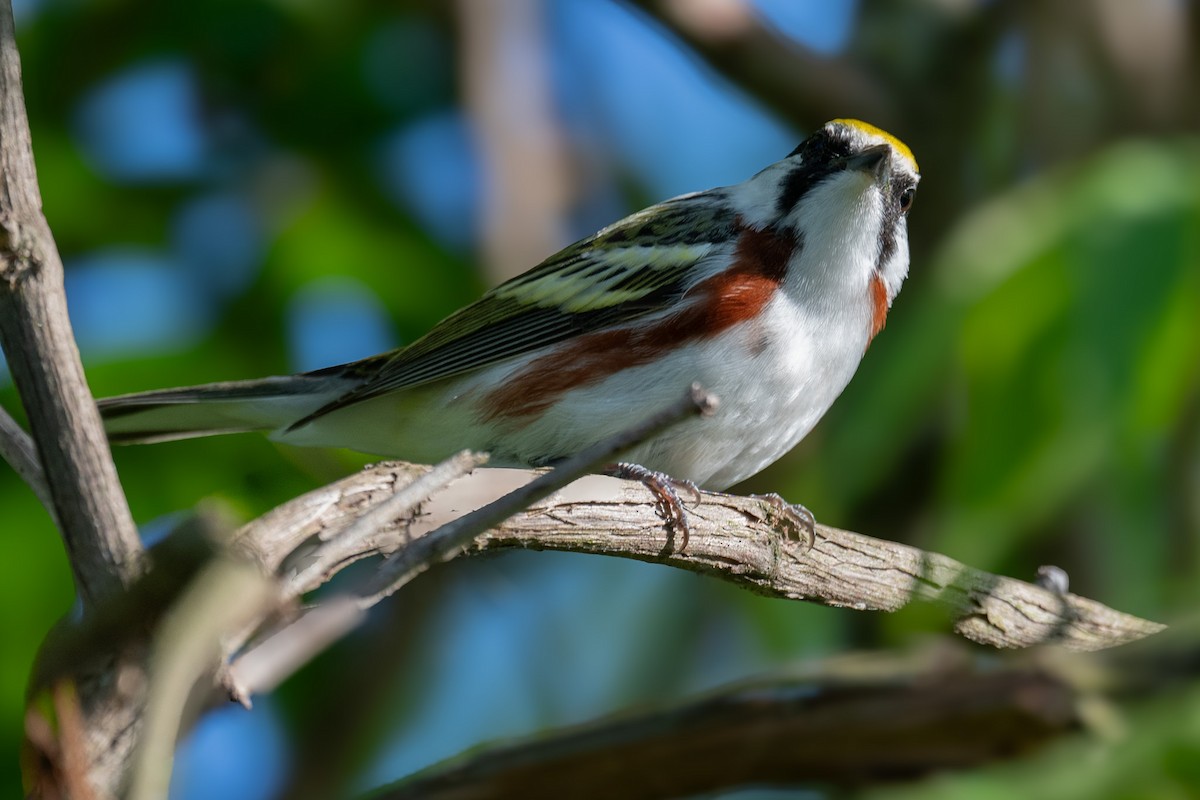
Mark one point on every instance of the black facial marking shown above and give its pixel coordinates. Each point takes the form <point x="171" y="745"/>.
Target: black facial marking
<point x="896" y="204"/>
<point x="887" y="241"/>
<point x="820" y="156"/>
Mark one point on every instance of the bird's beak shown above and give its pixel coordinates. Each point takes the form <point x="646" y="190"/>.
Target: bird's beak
<point x="874" y="160"/>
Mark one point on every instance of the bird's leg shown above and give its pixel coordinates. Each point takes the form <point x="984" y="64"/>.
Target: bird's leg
<point x="800" y="521"/>
<point x="666" y="495"/>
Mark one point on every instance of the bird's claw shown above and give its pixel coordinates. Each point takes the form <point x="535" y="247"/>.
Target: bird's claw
<point x="665" y="489"/>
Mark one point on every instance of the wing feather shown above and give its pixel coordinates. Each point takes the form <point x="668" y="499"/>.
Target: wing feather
<point x="633" y="268"/>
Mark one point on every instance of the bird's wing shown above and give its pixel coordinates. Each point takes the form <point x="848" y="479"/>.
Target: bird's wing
<point x="635" y="267"/>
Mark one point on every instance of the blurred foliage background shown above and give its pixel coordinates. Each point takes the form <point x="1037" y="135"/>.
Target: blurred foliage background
<point x="252" y="187"/>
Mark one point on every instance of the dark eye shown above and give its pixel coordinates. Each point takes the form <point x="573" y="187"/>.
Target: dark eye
<point x="906" y="199"/>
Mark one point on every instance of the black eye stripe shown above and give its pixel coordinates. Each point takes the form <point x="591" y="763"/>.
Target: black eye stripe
<point x="796" y="185"/>
<point x="804" y="177"/>
<point x="893" y="220"/>
<point x="819" y="154"/>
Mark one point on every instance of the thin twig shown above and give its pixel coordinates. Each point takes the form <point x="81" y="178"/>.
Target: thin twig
<point x="353" y="541"/>
<point x="73" y="742"/>
<point x="270" y="660"/>
<point x="447" y="541"/>
<point x="17" y="448"/>
<point x="187" y="647"/>
<point x="282" y="651"/>
<point x="264" y="666"/>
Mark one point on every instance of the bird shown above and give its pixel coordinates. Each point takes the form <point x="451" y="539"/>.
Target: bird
<point x="767" y="292"/>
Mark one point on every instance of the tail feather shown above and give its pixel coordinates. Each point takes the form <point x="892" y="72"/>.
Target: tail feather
<point x="214" y="408"/>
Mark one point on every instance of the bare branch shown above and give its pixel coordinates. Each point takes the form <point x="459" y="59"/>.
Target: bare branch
<point x="842" y="722"/>
<point x="72" y="742"/>
<point x="733" y="538"/>
<point x="105" y="654"/>
<point x="742" y="544"/>
<point x="93" y="516"/>
<point x="18" y="449"/>
<point x="188" y="648"/>
<point x="451" y="538"/>
<point x="804" y="87"/>
<point x="865" y="718"/>
<point x="272" y="659"/>
<point x="281" y="654"/>
<point x="358" y="537"/>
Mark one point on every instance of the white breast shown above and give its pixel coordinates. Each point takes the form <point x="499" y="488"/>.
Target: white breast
<point x="775" y="377"/>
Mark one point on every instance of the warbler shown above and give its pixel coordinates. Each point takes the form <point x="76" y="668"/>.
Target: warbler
<point x="767" y="293"/>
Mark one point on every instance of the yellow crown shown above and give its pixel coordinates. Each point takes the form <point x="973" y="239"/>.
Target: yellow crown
<point x="871" y="130"/>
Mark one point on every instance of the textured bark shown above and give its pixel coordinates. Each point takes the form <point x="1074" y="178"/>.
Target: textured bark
<point x="96" y="713"/>
<point x="93" y="516"/>
<point x="739" y="539"/>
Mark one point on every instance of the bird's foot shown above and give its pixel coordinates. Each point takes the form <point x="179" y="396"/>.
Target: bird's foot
<point x="800" y="523"/>
<point x="666" y="496"/>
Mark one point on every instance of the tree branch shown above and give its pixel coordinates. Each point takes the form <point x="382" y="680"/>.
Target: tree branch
<point x="187" y="648"/>
<point x="804" y="87"/>
<point x="737" y="539"/>
<point x="449" y="539"/>
<point x="848" y="725"/>
<point x="743" y="540"/>
<point x="105" y="656"/>
<point x="18" y="449"/>
<point x="865" y="718"/>
<point x="441" y="544"/>
<point x="843" y="722"/>
<point x="93" y="517"/>
<point x="98" y="531"/>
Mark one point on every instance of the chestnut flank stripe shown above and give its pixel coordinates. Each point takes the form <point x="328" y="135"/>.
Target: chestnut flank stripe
<point x="879" y="306"/>
<point x="709" y="307"/>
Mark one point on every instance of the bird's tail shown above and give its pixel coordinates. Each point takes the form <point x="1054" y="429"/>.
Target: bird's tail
<point x="213" y="408"/>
